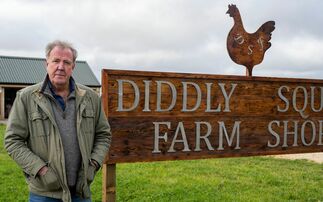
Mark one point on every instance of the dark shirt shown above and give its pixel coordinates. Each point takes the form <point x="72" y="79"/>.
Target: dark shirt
<point x="59" y="98"/>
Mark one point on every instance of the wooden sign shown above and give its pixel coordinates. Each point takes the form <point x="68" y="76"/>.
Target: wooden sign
<point x="158" y="116"/>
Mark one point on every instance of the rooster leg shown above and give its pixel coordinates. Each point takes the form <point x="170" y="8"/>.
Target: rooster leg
<point x="249" y="71"/>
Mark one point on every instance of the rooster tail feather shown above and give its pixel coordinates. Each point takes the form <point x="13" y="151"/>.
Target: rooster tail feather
<point x="267" y="27"/>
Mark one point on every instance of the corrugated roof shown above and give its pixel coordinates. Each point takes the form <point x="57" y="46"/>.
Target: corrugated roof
<point x="25" y="70"/>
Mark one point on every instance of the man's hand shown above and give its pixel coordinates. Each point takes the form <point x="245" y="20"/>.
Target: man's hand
<point x="95" y="164"/>
<point x="42" y="171"/>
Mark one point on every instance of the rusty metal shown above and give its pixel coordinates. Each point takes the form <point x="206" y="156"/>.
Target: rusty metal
<point x="244" y="48"/>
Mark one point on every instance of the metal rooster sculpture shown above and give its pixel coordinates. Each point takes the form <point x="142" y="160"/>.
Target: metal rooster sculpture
<point x="245" y="48"/>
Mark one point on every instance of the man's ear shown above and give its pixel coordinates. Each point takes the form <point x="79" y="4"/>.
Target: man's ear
<point x="73" y="65"/>
<point x="46" y="63"/>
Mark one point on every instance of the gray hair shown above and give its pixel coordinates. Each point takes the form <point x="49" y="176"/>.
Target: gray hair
<point x="62" y="44"/>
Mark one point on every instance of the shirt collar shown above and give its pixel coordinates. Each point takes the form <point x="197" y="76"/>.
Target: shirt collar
<point x="50" y="85"/>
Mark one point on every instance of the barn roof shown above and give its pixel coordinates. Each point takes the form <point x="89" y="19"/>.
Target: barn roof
<point x="26" y="70"/>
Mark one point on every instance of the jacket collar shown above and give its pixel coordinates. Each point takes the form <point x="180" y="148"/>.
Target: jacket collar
<point x="78" y="91"/>
<point x="40" y="99"/>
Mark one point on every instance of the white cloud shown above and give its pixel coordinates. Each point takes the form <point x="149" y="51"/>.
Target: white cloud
<point x="166" y="35"/>
<point x="303" y="50"/>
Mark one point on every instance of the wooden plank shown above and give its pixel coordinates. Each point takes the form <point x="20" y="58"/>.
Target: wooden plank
<point x="109" y="183"/>
<point x="225" y="115"/>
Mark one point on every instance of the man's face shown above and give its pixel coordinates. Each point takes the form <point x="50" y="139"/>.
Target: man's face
<point x="60" y="66"/>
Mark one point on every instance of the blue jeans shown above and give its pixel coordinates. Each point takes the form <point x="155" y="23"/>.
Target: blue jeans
<point x="38" y="198"/>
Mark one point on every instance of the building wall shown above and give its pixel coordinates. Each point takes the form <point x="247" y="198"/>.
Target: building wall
<point x="3" y="88"/>
<point x="1" y="103"/>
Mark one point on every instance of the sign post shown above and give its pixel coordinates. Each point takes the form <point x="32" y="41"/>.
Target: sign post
<point x="109" y="182"/>
<point x="156" y="116"/>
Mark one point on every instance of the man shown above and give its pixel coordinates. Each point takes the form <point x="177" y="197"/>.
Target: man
<point x="57" y="132"/>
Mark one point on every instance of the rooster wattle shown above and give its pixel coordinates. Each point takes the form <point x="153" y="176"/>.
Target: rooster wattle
<point x="245" y="48"/>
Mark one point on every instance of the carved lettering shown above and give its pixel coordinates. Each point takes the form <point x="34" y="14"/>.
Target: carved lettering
<point x="261" y="43"/>
<point x="239" y="39"/>
<point x="172" y="101"/>
<point x="179" y="130"/>
<point x="235" y="131"/>
<point x="205" y="137"/>
<point x="301" y="100"/>
<point x="120" y="95"/>
<point x="180" y="136"/>
<point x="306" y="138"/>
<point x="147" y="97"/>
<point x="198" y="99"/>
<point x="159" y="95"/>
<point x="302" y="109"/>
<point x="157" y="137"/>
<point x="313" y="99"/>
<point x="281" y="96"/>
<point x="250" y="49"/>
<point x="274" y="134"/>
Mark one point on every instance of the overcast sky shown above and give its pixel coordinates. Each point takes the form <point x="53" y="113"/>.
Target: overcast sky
<point x="166" y="35"/>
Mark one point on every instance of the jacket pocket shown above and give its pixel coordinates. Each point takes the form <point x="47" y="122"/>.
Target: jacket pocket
<point x="39" y="123"/>
<point x="91" y="171"/>
<point x="88" y="120"/>
<point x="39" y="134"/>
<point x="47" y="182"/>
<point x="87" y="129"/>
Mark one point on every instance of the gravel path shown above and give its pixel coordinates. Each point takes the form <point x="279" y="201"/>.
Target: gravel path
<point x="316" y="157"/>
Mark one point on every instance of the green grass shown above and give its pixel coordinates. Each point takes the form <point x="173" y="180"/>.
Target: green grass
<point x="230" y="179"/>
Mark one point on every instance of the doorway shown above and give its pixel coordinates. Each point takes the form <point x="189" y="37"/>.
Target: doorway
<point x="10" y="95"/>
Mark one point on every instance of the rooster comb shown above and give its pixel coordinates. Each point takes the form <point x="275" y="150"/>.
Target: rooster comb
<point x="232" y="6"/>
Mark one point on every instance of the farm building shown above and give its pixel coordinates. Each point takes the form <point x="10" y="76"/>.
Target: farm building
<point x="19" y="72"/>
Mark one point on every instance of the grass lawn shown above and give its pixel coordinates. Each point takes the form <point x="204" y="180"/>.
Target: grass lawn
<point x="230" y="179"/>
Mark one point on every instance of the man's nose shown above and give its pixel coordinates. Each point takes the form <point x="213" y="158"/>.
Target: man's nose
<point x="60" y="66"/>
